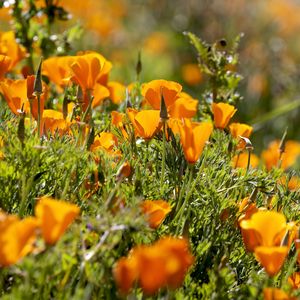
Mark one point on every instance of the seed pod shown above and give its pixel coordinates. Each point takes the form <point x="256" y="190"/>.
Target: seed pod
<point x="163" y="109"/>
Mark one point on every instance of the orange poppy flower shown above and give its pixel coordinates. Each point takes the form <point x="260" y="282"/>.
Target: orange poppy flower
<point x="54" y="217"/>
<point x="294" y="280"/>
<point x="241" y="160"/>
<point x="193" y="137"/>
<point x="18" y="93"/>
<point x="184" y="107"/>
<point x="118" y="120"/>
<point x="191" y="74"/>
<point x="90" y="68"/>
<point x="117" y="92"/>
<point x="263" y="234"/>
<point x="276" y="294"/>
<point x="223" y="112"/>
<point x="126" y="273"/>
<point x="58" y="70"/>
<point x="100" y="93"/>
<point x="156" y="211"/>
<point x="271" y="155"/>
<point x="239" y="129"/>
<point x="5" y="64"/>
<point x="16" y="238"/>
<point x="162" y="264"/>
<point x="106" y="141"/>
<point x="155" y="89"/>
<point x="268" y="227"/>
<point x="271" y="258"/>
<point x="146" y="123"/>
<point x="54" y="121"/>
<point x="9" y="47"/>
<point x="292" y="184"/>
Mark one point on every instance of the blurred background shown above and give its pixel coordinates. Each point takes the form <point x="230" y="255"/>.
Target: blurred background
<point x="269" y="50"/>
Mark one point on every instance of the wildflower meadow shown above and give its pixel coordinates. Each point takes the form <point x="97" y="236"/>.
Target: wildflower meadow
<point x="138" y="161"/>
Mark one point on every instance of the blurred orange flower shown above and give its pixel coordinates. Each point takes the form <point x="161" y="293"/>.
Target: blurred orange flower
<point x="276" y="294"/>
<point x="191" y="74"/>
<point x="163" y="264"/>
<point x="294" y="280"/>
<point x="106" y="141"/>
<point x="119" y="120"/>
<point x="16" y="238"/>
<point x="146" y="123"/>
<point x="5" y="64"/>
<point x="117" y="91"/>
<point x="271" y="155"/>
<point x="263" y="234"/>
<point x="193" y="137"/>
<point x="156" y="211"/>
<point x="54" y="121"/>
<point x="54" y="217"/>
<point x="241" y="160"/>
<point x="9" y="47"/>
<point x="223" y="112"/>
<point x="292" y="184"/>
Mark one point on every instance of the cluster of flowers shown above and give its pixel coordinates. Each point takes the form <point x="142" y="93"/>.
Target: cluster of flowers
<point x="17" y="237"/>
<point x="164" y="105"/>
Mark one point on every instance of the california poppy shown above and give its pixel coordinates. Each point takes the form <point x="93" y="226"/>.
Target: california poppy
<point x="191" y="74"/>
<point x="16" y="238"/>
<point x="276" y="294"/>
<point x="163" y="264"/>
<point x="5" y="64"/>
<point x="146" y="123"/>
<point x="107" y="142"/>
<point x="155" y="89"/>
<point x="184" y="107"/>
<point x="58" y="70"/>
<point x="10" y="47"/>
<point x="54" y="217"/>
<point x="222" y="112"/>
<point x="294" y="280"/>
<point x="53" y="121"/>
<point x="193" y="137"/>
<point x="241" y="160"/>
<point x="271" y="155"/>
<point x="156" y="211"/>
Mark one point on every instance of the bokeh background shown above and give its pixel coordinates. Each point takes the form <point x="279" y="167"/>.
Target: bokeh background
<point x="269" y="49"/>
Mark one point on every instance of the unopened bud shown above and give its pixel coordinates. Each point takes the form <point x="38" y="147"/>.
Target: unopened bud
<point x="38" y="86"/>
<point x="163" y="109"/>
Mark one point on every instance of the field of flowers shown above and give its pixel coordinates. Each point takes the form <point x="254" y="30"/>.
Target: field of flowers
<point x="148" y="168"/>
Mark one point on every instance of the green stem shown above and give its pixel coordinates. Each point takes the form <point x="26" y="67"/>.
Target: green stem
<point x="248" y="162"/>
<point x="163" y="162"/>
<point x="39" y="114"/>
